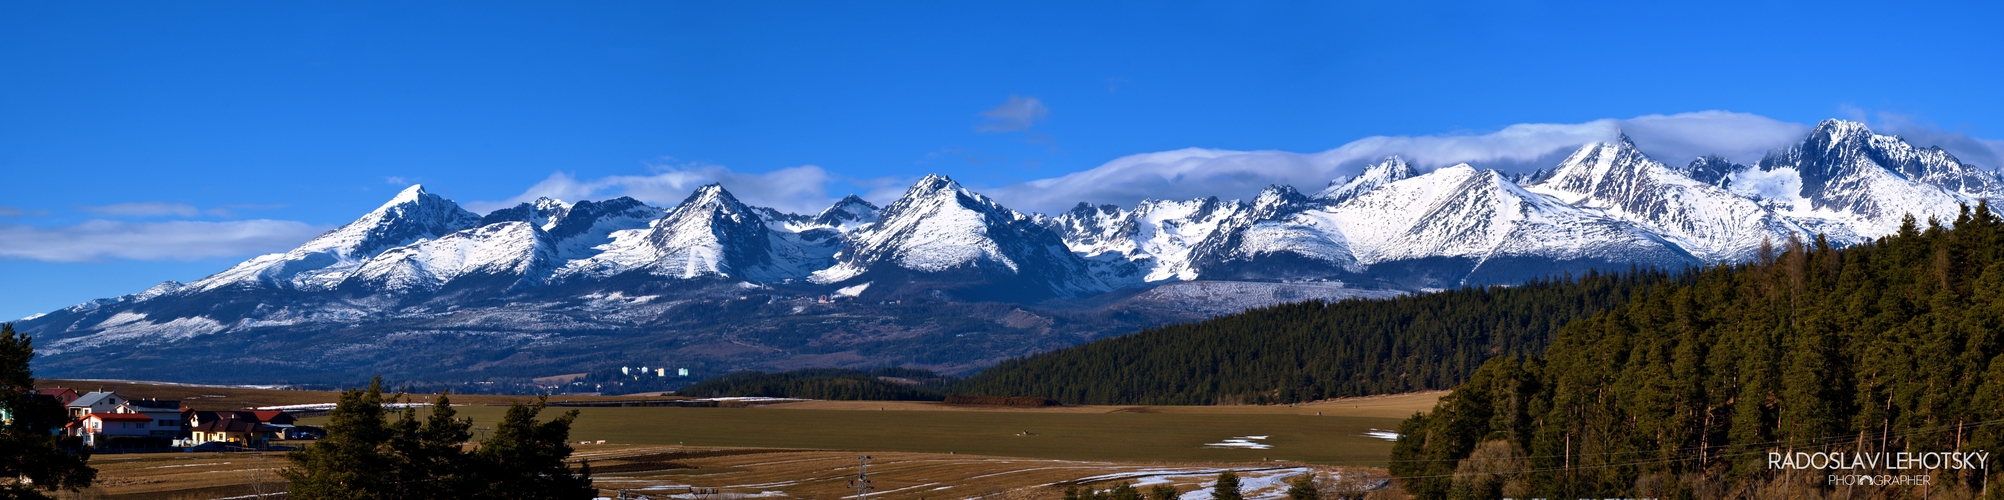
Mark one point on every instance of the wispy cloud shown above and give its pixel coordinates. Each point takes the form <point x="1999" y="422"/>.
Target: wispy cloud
<point x="169" y="240"/>
<point x="802" y="189"/>
<point x="17" y="212"/>
<point x="1018" y="114"/>
<point x="1196" y="172"/>
<point x="231" y="209"/>
<point x="143" y="209"/>
<point x="161" y="209"/>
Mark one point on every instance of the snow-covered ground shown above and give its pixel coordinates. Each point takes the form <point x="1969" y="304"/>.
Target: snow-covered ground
<point x="1241" y="442"/>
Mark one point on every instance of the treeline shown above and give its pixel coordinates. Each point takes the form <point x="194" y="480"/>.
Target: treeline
<point x="368" y="454"/>
<point x="1017" y="401"/>
<point x="1315" y="350"/>
<point x="1887" y="347"/>
<point x="882" y="384"/>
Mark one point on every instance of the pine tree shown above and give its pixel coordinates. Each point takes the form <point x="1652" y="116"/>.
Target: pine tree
<point x="1122" y="491"/>
<point x="1303" y="488"/>
<point x="32" y="456"/>
<point x="526" y="459"/>
<point x="350" y="463"/>
<point x="1227" y="487"/>
<point x="429" y="460"/>
<point x="1162" y="492"/>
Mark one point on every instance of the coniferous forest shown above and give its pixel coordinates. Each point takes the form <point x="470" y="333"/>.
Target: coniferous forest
<point x="1315" y="350"/>
<point x="883" y="384"/>
<point x="1686" y="390"/>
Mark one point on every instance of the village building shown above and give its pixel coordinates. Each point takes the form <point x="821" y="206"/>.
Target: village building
<point x="62" y="395"/>
<point x="101" y="429"/>
<point x="95" y="402"/>
<point x="244" y="427"/>
<point x="230" y="430"/>
<point x="168" y="416"/>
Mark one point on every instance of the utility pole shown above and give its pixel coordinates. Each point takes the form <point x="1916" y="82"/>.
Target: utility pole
<point x="862" y="480"/>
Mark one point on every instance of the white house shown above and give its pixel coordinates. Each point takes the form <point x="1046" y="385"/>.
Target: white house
<point x="94" y="428"/>
<point x="95" y="402"/>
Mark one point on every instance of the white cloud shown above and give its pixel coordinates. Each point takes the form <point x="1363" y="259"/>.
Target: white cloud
<point x="801" y="189"/>
<point x="1017" y="114"/>
<point x="143" y="209"/>
<point x="170" y="240"/>
<point x="1196" y="172"/>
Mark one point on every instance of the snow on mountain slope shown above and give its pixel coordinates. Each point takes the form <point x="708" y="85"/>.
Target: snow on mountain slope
<point x="1867" y="182"/>
<point x="1711" y="223"/>
<point x="1390" y="170"/>
<point x="543" y="213"/>
<point x="1459" y="212"/>
<point x="587" y="225"/>
<point x="1157" y="237"/>
<point x="710" y="234"/>
<point x="1379" y="217"/>
<point x="325" y="261"/>
<point x="847" y="214"/>
<point x="1278" y="222"/>
<point x="515" y="251"/>
<point x="939" y="226"/>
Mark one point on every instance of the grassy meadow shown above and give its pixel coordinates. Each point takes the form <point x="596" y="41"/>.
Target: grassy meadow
<point x="809" y="449"/>
<point x="1154" y="434"/>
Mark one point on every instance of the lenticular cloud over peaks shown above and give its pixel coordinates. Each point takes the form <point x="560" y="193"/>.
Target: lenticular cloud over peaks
<point x="1198" y="172"/>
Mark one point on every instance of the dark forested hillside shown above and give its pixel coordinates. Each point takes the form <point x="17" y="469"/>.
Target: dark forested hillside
<point x="1314" y="350"/>
<point x="886" y="384"/>
<point x="1887" y="347"/>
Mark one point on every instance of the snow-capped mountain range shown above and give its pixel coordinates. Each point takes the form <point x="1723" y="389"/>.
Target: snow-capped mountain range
<point x="421" y="262"/>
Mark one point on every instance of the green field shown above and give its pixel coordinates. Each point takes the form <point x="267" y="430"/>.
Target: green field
<point x="1178" y="437"/>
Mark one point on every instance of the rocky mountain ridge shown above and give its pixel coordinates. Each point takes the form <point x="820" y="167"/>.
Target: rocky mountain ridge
<point x="544" y="281"/>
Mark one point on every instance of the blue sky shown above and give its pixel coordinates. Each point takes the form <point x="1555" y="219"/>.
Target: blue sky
<point x="142" y="142"/>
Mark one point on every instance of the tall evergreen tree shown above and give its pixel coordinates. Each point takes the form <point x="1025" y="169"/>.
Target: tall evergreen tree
<point x="1303" y="488"/>
<point x="1227" y="487"/>
<point x="33" y="459"/>
<point x="430" y="461"/>
<point x="525" y="459"/>
<point x="351" y="463"/>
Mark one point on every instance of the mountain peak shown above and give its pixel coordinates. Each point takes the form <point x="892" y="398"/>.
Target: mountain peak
<point x="935" y="183"/>
<point x="848" y="211"/>
<point x="710" y="195"/>
<point x="413" y="194"/>
<point x="1834" y="132"/>
<point x="1621" y="140"/>
<point x="1392" y="169"/>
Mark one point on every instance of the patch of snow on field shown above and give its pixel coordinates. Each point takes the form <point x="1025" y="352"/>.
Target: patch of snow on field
<point x="1241" y="442"/>
<point x="1268" y="484"/>
<point x="752" y="399"/>
<point x="1382" y="434"/>
<point x="330" y="406"/>
<point x="727" y="496"/>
